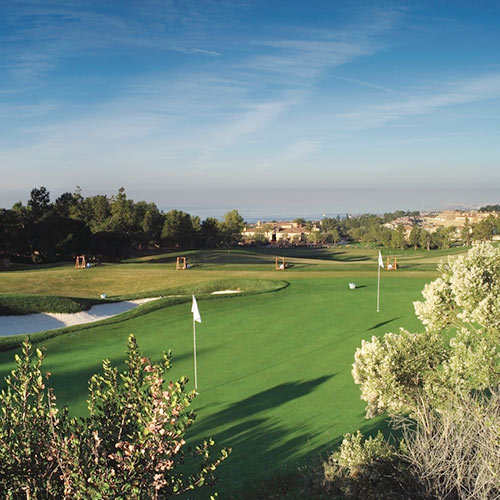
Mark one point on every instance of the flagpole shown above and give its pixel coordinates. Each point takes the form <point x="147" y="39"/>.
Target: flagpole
<point x="194" y="345"/>
<point x="378" y="289"/>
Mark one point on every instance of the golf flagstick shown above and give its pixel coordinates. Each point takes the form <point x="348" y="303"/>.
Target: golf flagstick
<point x="380" y="264"/>
<point x="196" y="318"/>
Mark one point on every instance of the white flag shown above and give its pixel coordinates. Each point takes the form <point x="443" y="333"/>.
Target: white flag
<point x="195" y="311"/>
<point x="380" y="261"/>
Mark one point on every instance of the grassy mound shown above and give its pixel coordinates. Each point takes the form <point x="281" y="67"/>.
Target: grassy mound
<point x="170" y="297"/>
<point x="16" y="304"/>
<point x="244" y="286"/>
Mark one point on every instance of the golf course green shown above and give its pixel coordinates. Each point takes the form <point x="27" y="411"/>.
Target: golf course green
<point x="274" y="369"/>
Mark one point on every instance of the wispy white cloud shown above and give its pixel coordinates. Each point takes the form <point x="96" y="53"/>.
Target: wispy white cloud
<point x="206" y="52"/>
<point x="457" y="93"/>
<point x="22" y="111"/>
<point x="248" y="122"/>
<point x="367" y="84"/>
<point x="306" y="59"/>
<point x="299" y="149"/>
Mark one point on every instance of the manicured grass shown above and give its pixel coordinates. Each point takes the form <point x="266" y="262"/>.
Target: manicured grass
<point x="14" y="304"/>
<point x="273" y="369"/>
<point x="171" y="296"/>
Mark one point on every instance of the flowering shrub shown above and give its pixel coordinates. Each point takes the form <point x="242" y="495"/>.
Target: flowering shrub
<point x="131" y="445"/>
<point x="450" y="446"/>
<point x="399" y="371"/>
<point x="364" y="468"/>
<point x="466" y="294"/>
<point x="394" y="370"/>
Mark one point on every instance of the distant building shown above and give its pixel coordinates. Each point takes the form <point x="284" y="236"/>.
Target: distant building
<point x="282" y="232"/>
<point x="433" y="221"/>
<point x="456" y="218"/>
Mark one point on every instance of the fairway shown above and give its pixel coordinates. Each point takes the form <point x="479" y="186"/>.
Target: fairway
<point x="273" y="369"/>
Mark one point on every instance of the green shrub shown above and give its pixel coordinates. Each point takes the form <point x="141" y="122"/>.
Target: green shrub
<point x="131" y="445"/>
<point x="368" y="469"/>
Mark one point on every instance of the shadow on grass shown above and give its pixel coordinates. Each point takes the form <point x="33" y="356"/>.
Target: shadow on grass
<point x="301" y="478"/>
<point x="263" y="449"/>
<point x="15" y="266"/>
<point x="259" y="442"/>
<point x="262" y="401"/>
<point x="216" y="257"/>
<point x="378" y="325"/>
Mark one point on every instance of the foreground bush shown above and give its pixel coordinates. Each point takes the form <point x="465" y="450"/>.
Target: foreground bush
<point x="368" y="469"/>
<point x="451" y="436"/>
<point x="131" y="445"/>
<point x="455" y="452"/>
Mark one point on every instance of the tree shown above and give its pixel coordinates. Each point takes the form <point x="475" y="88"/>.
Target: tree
<point x="333" y="236"/>
<point x="211" y="236"/>
<point x="98" y="213"/>
<point x="39" y="202"/>
<point x="122" y="213"/>
<point x="152" y="224"/>
<point x="466" y="233"/>
<point x="490" y="208"/>
<point x="443" y="237"/>
<point x="401" y="239"/>
<point x="231" y="227"/>
<point x="427" y="240"/>
<point x="64" y="203"/>
<point x="414" y="238"/>
<point x="327" y="224"/>
<point x="178" y="229"/>
<point x="384" y="236"/>
<point x="131" y="445"/>
<point x="316" y="237"/>
<point x="485" y="229"/>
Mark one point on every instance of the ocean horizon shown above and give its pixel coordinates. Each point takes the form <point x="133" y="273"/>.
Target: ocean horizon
<point x="252" y="216"/>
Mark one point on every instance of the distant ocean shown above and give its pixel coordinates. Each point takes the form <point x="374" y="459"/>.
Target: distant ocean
<point x="253" y="216"/>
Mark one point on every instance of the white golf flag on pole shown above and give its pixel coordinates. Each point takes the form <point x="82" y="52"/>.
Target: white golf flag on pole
<point x="196" y="317"/>
<point x="195" y="311"/>
<point x="380" y="264"/>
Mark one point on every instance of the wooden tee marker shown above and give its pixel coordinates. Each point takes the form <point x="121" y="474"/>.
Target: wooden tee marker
<point x="392" y="265"/>
<point x="181" y="264"/>
<point x="280" y="264"/>
<point x="80" y="262"/>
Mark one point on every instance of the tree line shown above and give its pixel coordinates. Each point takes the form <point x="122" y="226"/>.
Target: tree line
<point x="371" y="229"/>
<point x="105" y="227"/>
<point x="112" y="227"/>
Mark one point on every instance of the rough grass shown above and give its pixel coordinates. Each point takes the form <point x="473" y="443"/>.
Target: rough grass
<point x="155" y="273"/>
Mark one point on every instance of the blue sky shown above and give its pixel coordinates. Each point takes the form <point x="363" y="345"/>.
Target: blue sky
<point x="271" y="107"/>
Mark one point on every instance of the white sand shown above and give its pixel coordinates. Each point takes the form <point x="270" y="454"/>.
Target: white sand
<point x="226" y="291"/>
<point x="30" y="323"/>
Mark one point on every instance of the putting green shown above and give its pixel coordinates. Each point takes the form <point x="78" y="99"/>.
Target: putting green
<point x="273" y="369"/>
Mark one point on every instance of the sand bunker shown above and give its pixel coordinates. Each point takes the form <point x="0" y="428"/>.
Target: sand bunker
<point x="225" y="291"/>
<point x="30" y="323"/>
